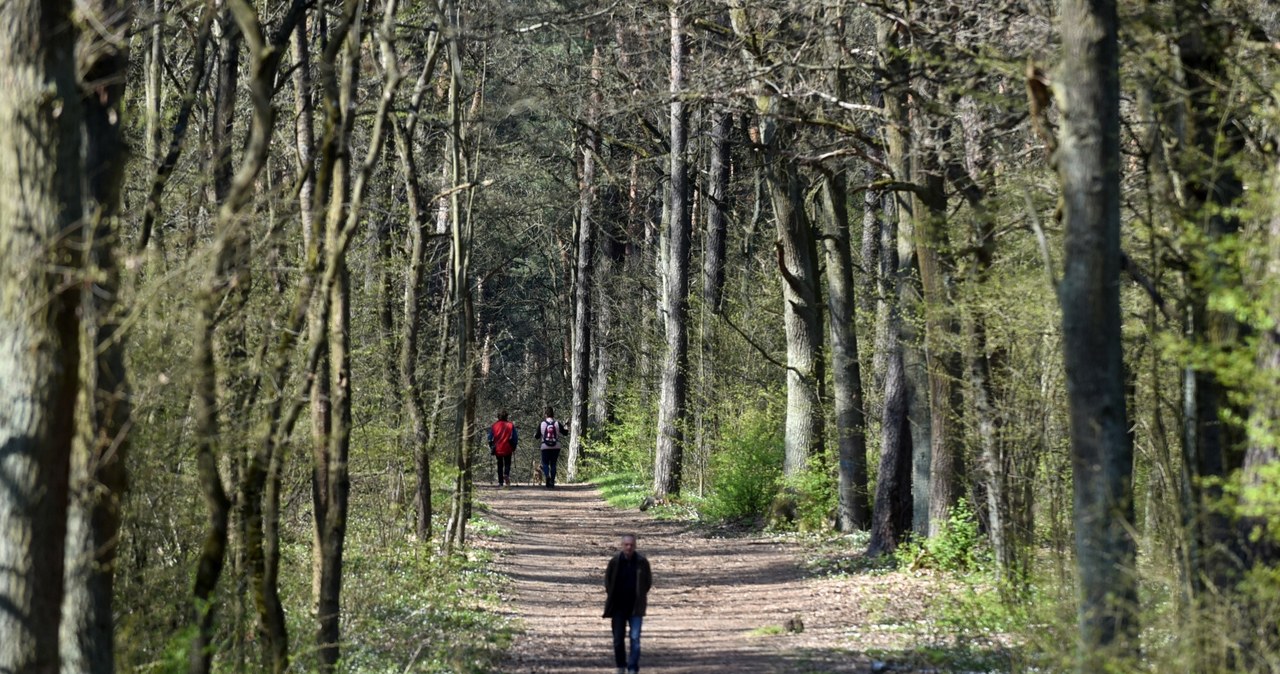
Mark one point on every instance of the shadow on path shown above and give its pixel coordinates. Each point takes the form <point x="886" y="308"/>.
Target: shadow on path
<point x="708" y="596"/>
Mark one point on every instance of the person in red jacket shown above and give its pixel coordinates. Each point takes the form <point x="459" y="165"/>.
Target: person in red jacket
<point x="502" y="442"/>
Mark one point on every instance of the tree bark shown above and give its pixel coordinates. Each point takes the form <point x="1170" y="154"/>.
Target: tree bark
<point x="1102" y="455"/>
<point x="892" y="512"/>
<point x="580" y="368"/>
<point x="342" y="219"/>
<point x="802" y="309"/>
<point x="40" y="211"/>
<point x="98" y="473"/>
<point x="674" y="391"/>
<point x="852" y="508"/>
<point x="414" y="398"/>
<point x="713" y="276"/>
<point x="895" y="73"/>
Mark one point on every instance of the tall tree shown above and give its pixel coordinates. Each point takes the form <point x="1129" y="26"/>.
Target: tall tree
<point x="892" y="510"/>
<point x="583" y="278"/>
<point x="853" y="511"/>
<point x="462" y="309"/>
<point x="227" y="270"/>
<point x="40" y="231"/>
<point x="414" y="399"/>
<point x="675" y="268"/>
<point x="1088" y="158"/>
<point x="896" y="498"/>
<point x="347" y="191"/>
<point x="796" y="249"/>
<point x="98" y="468"/>
<point x="1206" y="151"/>
<point x="718" y="208"/>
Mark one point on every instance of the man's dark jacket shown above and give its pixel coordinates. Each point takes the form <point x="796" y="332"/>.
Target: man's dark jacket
<point x="644" y="580"/>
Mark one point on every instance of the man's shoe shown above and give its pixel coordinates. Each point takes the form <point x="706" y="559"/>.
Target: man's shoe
<point x="621" y="671"/>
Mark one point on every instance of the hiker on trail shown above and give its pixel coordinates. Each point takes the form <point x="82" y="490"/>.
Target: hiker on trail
<point x="627" y="580"/>
<point x="502" y="443"/>
<point x="550" y="432"/>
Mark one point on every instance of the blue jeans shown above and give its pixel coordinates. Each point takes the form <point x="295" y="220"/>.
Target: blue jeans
<point x="550" y="457"/>
<point x="620" y="658"/>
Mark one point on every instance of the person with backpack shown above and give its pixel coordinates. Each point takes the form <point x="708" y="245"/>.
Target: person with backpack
<point x="502" y="444"/>
<point x="550" y="432"/>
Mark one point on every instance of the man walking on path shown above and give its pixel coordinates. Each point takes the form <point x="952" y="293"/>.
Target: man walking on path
<point x="502" y="442"/>
<point x="549" y="432"/>
<point x="627" y="580"/>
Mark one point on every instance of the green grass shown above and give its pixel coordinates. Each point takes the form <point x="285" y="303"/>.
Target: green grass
<point x="409" y="608"/>
<point x="623" y="490"/>
<point x="768" y="631"/>
<point x="628" y="490"/>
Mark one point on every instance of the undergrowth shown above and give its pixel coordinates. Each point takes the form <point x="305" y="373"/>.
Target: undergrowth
<point x="409" y="608"/>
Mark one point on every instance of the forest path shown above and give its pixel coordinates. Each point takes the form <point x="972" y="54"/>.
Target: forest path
<point x="708" y="593"/>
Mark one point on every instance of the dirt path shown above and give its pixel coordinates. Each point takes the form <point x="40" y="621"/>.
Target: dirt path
<point x="708" y="595"/>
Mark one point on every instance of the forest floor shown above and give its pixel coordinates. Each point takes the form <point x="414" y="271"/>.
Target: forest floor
<point x="720" y="599"/>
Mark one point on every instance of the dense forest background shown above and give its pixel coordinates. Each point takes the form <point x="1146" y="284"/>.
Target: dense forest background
<point x="989" y="286"/>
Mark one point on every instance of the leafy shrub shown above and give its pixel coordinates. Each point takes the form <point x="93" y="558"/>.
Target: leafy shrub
<point x="957" y="547"/>
<point x="625" y="445"/>
<point x="746" y="467"/>
<point x="811" y="497"/>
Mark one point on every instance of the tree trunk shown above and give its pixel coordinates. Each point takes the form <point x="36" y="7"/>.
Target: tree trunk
<point x="1264" y="448"/>
<point x="892" y="512"/>
<point x="228" y="269"/>
<point x="895" y="72"/>
<point x="460" y="282"/>
<point x="40" y="209"/>
<point x="304" y="137"/>
<point x="331" y="479"/>
<point x="230" y="349"/>
<point x="717" y="211"/>
<point x="99" y="478"/>
<point x="600" y="406"/>
<point x="802" y="309"/>
<point x="853" y="508"/>
<point x="935" y="311"/>
<point x="414" y="397"/>
<point x="1102" y="455"/>
<point x="1206" y="148"/>
<point x="1008" y="512"/>
<point x="671" y="407"/>
<point x="580" y="370"/>
<point x="180" y="126"/>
